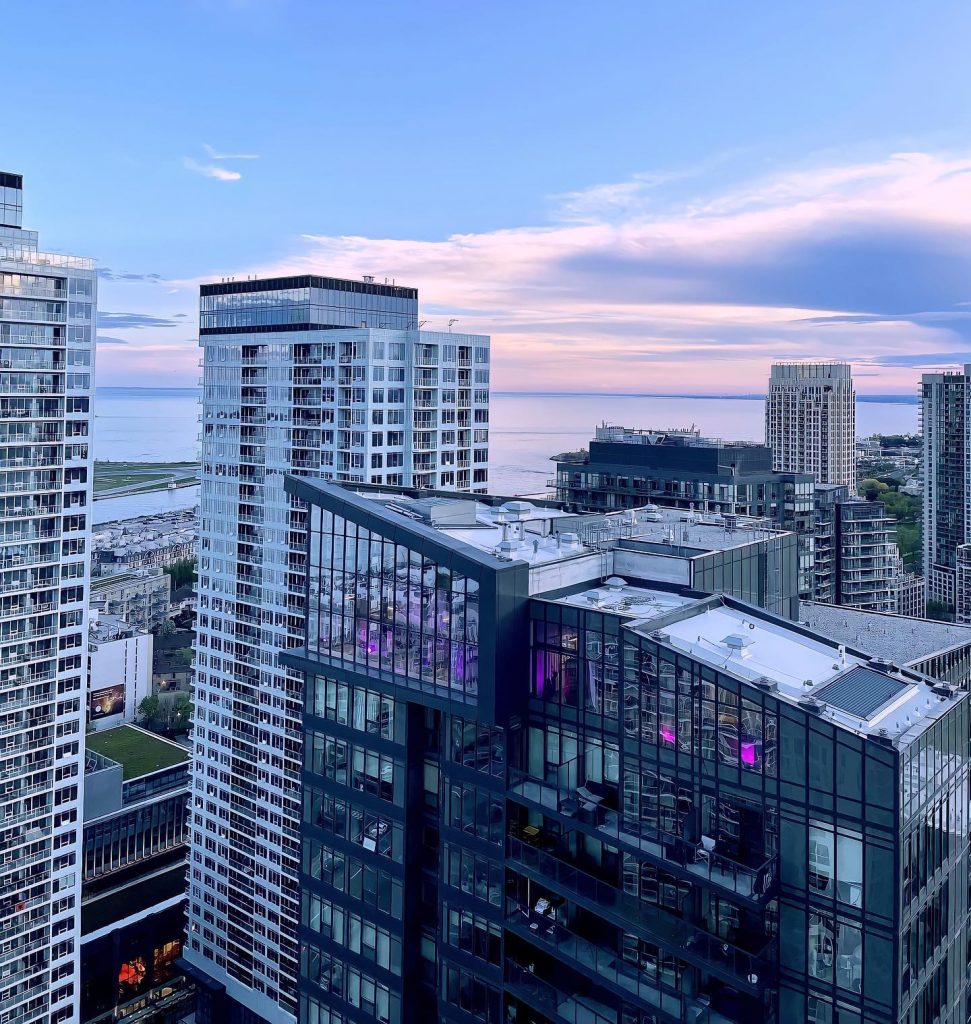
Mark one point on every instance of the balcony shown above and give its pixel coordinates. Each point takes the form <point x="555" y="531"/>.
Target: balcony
<point x="643" y="980"/>
<point x="743" y="968"/>
<point x="574" y="1006"/>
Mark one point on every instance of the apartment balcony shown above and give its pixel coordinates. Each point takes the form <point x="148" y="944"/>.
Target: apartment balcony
<point x="33" y="291"/>
<point x="643" y="980"/>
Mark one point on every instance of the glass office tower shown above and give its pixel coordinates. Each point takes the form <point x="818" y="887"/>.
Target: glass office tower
<point x="536" y="792"/>
<point x="47" y="317"/>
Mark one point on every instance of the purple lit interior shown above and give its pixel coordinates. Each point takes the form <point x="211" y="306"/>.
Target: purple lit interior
<point x="749" y="753"/>
<point x="667" y="734"/>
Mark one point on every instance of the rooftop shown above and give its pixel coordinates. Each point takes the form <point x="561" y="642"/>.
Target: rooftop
<point x="138" y="752"/>
<point x="629" y="600"/>
<point x="680" y="437"/>
<point x="901" y="639"/>
<point x="863" y="695"/>
<point x="542" y="533"/>
<point x="115" y="579"/>
<point x="104" y="628"/>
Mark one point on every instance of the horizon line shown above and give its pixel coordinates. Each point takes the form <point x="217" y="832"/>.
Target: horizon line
<point x="747" y="396"/>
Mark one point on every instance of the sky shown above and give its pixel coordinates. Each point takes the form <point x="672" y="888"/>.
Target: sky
<point x="638" y="197"/>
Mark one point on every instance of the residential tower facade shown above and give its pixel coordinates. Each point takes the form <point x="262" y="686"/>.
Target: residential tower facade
<point x="319" y="377"/>
<point x="534" y="794"/>
<point x="810" y="421"/>
<point x="47" y="318"/>
<point x="945" y="425"/>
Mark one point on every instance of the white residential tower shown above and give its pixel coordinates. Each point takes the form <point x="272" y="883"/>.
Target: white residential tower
<point x="810" y="421"/>
<point x="47" y="317"/>
<point x="325" y="378"/>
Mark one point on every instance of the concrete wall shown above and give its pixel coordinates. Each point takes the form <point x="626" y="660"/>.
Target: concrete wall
<point x="121" y="673"/>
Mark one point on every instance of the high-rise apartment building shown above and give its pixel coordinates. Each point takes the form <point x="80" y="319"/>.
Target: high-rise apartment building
<point x="47" y="317"/>
<point x="946" y="429"/>
<point x="870" y="567"/>
<point x="537" y="792"/>
<point x="810" y="421"/>
<point x="318" y="377"/>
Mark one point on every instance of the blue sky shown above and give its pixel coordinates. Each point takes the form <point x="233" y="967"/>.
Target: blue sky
<point x="625" y="195"/>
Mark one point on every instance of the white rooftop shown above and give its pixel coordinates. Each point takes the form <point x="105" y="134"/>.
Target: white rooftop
<point x="617" y="596"/>
<point x="521" y="531"/>
<point x="754" y="649"/>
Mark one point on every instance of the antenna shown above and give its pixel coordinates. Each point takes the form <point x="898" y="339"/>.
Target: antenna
<point x="421" y="324"/>
<point x="454" y="320"/>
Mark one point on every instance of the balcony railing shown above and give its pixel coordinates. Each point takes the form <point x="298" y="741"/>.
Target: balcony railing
<point x="743" y="967"/>
<point x="644" y="980"/>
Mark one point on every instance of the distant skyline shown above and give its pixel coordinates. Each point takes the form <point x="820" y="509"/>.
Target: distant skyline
<point x="630" y="198"/>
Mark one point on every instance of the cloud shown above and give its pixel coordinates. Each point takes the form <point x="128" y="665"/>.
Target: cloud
<point x="120" y="321"/>
<point x="107" y="339"/>
<point x="925" y="360"/>
<point x="106" y="274"/>
<point x="629" y="290"/>
<point x="213" y="155"/>
<point x="210" y="170"/>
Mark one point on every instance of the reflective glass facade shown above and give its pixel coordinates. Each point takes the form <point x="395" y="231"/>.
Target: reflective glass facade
<point x="608" y="828"/>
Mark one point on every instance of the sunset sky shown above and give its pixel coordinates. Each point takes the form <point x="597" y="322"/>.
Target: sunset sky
<point x="628" y="196"/>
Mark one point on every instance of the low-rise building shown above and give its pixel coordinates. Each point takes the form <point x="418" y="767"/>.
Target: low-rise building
<point x="136" y="792"/>
<point x="145" y="541"/>
<point x="119" y="671"/>
<point x="140" y="597"/>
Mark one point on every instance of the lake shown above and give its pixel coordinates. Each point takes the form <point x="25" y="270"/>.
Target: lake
<point x="160" y="424"/>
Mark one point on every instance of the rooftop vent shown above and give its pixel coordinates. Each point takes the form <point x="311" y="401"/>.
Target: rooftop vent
<point x="881" y="664"/>
<point x="660" y="636"/>
<point x="813" y="706"/>
<point x="737" y="642"/>
<point x="766" y="684"/>
<point x="517" y="510"/>
<point x="944" y="690"/>
<point x="882" y="736"/>
<point x="615" y="583"/>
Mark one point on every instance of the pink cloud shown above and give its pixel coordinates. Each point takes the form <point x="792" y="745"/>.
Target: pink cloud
<point x="704" y="297"/>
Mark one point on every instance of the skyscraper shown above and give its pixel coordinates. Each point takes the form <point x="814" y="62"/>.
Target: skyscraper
<point x="810" y="421"/>
<point x="323" y="378"/>
<point x="47" y="316"/>
<point x="945" y="424"/>
<point x="538" y="792"/>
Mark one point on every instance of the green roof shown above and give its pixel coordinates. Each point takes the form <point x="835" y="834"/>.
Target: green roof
<point x="138" y="751"/>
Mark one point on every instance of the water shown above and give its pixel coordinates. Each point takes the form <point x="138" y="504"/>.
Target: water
<point x="160" y="424"/>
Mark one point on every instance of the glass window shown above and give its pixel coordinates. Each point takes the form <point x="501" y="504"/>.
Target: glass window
<point x="849" y="869"/>
<point x="821" y="859"/>
<point x="822" y="951"/>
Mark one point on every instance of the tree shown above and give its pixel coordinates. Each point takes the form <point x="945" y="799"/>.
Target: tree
<point x="183" y="571"/>
<point x="181" y="713"/>
<point x="871" y="489"/>
<point x="150" y="710"/>
<point x="938" y="610"/>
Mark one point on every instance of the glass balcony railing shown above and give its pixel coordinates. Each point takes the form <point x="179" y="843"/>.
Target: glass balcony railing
<point x="644" y="981"/>
<point x="571" y="1007"/>
<point x="570" y="795"/>
<point x="747" y="967"/>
